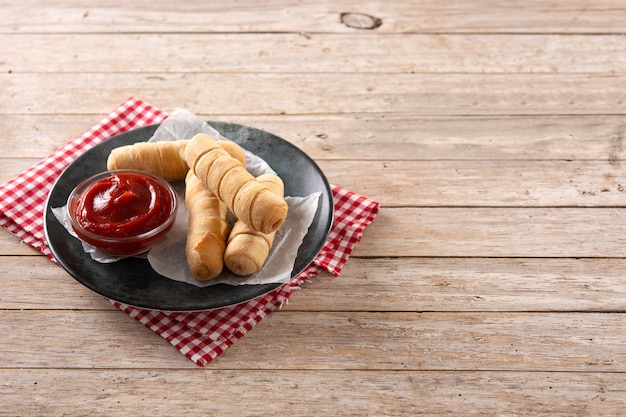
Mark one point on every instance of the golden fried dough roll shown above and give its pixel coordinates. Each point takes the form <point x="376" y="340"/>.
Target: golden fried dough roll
<point x="233" y="150"/>
<point x="249" y="200"/>
<point x="247" y="249"/>
<point x="207" y="232"/>
<point x="165" y="159"/>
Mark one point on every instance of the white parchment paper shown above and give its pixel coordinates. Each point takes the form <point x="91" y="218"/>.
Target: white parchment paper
<point x="168" y="256"/>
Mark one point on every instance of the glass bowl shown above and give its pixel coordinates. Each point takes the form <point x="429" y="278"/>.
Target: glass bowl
<point x="122" y="212"/>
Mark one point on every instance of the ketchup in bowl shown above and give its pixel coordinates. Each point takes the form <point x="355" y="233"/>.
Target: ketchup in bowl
<point x="122" y="212"/>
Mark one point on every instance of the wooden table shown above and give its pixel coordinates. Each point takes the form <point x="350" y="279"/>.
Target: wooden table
<point x="492" y="282"/>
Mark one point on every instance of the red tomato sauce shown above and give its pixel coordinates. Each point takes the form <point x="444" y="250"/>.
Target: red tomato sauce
<point x="123" y="205"/>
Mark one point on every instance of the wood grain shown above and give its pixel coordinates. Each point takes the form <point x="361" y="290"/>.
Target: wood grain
<point x="405" y="53"/>
<point x="492" y="133"/>
<point x="495" y="232"/>
<point x="275" y="94"/>
<point x="466" y="183"/>
<point x="491" y="232"/>
<point x="413" y="393"/>
<point x="406" y="136"/>
<point x="484" y="183"/>
<point x="338" y="340"/>
<point x="380" y="284"/>
<point x="476" y="16"/>
<point x="11" y="245"/>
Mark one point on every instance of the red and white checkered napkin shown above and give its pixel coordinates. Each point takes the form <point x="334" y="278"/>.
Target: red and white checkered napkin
<point x="201" y="335"/>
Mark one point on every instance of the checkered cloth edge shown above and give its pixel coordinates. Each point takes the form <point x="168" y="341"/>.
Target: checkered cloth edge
<point x="203" y="335"/>
<point x="22" y="199"/>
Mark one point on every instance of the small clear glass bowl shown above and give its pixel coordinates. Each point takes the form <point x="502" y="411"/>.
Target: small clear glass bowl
<point x="127" y="245"/>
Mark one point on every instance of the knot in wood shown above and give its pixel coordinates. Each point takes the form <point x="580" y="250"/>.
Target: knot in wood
<point x="360" y="21"/>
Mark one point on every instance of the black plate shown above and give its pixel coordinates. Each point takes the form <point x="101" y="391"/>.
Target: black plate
<point x="133" y="281"/>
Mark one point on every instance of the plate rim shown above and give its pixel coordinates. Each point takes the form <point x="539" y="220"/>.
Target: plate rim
<point x="265" y="288"/>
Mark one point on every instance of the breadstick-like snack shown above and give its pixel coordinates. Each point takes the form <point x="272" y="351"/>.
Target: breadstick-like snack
<point x="247" y="249"/>
<point x="207" y="232"/>
<point x="249" y="200"/>
<point x="233" y="150"/>
<point x="165" y="159"/>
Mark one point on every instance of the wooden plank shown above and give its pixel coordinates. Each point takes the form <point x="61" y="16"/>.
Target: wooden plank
<point x="470" y="183"/>
<point x="407" y="136"/>
<point x="368" y="53"/>
<point x="467" y="284"/>
<point x="418" y="284"/>
<point x="436" y="341"/>
<point x="513" y="306"/>
<point x="75" y="336"/>
<point x="495" y="232"/>
<point x="10" y="167"/>
<point x="269" y="392"/>
<point x="37" y="136"/>
<point x="35" y="282"/>
<point x="482" y="231"/>
<point x="324" y="16"/>
<point x="476" y="231"/>
<point x="11" y="245"/>
<point x="483" y="183"/>
<point x="590" y="342"/>
<point x="275" y="94"/>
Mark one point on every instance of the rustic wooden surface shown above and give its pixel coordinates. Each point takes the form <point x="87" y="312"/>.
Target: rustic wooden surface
<point x="492" y="132"/>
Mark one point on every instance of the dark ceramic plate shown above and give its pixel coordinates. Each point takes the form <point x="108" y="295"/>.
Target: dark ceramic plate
<point x="132" y="281"/>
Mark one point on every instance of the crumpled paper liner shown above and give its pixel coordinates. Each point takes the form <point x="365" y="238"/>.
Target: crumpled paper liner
<point x="168" y="257"/>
